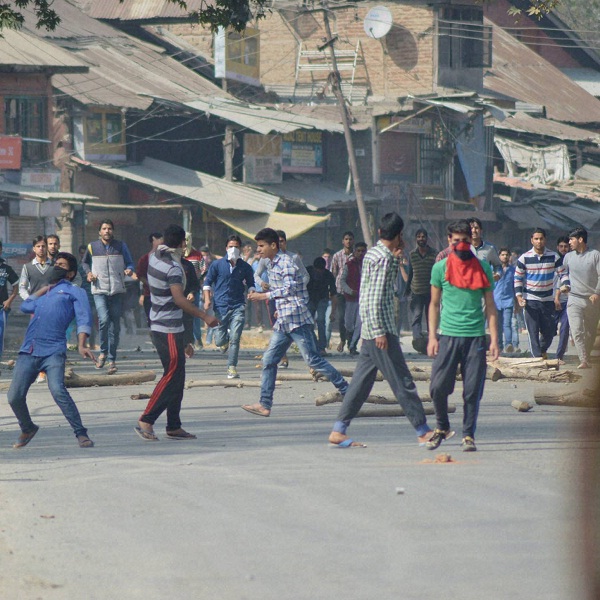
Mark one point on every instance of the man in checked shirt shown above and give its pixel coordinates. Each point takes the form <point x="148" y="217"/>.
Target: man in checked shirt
<point x="294" y="322"/>
<point x="380" y="344"/>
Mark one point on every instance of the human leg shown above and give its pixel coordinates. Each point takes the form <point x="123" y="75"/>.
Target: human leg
<point x="114" y="304"/>
<point x="501" y="325"/>
<point x="507" y="331"/>
<point x="443" y="378"/>
<point x="321" y="314"/>
<point x="54" y="366"/>
<point x="100" y="300"/>
<point x="221" y="331"/>
<point x="547" y="325"/>
<point x="304" y="336"/>
<point x="562" y="319"/>
<point x="350" y="322"/>
<point x="473" y="369"/>
<point x="278" y="345"/>
<point x="25" y="372"/>
<point x="591" y="318"/>
<point x="532" y="326"/>
<point x="236" y="326"/>
<point x="393" y="366"/>
<point x="341" y="314"/>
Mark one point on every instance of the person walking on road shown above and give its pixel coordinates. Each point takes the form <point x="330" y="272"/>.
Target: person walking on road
<point x="583" y="305"/>
<point x="294" y="322"/>
<point x="225" y="285"/>
<point x="338" y="262"/>
<point x="504" y="297"/>
<point x="560" y="304"/>
<point x="166" y="280"/>
<point x="380" y="349"/>
<point x="321" y="290"/>
<point x="350" y="283"/>
<point x="52" y="307"/>
<point x="106" y="262"/>
<point x="460" y="285"/>
<point x="534" y="290"/>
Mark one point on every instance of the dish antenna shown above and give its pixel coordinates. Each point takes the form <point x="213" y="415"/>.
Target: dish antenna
<point x="378" y="22"/>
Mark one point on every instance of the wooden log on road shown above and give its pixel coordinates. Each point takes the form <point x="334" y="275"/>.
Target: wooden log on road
<point x="227" y="383"/>
<point x="333" y="397"/>
<point x="586" y="398"/>
<point x="73" y="380"/>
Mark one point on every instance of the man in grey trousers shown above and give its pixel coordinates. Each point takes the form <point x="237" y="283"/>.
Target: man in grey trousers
<point x="583" y="305"/>
<point x="380" y="344"/>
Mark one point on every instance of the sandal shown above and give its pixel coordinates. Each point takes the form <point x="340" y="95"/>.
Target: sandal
<point x="84" y="441"/>
<point x="112" y="368"/>
<point x="101" y="360"/>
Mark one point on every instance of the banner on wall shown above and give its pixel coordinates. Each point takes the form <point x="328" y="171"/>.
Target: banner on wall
<point x="10" y="152"/>
<point x="302" y="152"/>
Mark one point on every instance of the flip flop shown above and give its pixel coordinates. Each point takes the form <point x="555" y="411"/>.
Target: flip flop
<point x="25" y="438"/>
<point x="85" y="442"/>
<point x="256" y="411"/>
<point x="147" y="436"/>
<point x="347" y="444"/>
<point x="181" y="435"/>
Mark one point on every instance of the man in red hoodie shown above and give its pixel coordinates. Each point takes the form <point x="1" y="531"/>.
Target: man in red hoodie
<point x="350" y="284"/>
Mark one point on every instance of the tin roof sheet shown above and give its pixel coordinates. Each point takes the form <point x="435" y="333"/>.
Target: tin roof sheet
<point x="522" y="122"/>
<point x="140" y="10"/>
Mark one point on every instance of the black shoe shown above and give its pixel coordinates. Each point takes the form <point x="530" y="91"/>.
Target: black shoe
<point x="439" y="435"/>
<point x="468" y="444"/>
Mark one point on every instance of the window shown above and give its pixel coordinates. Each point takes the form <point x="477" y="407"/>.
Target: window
<point x="27" y="117"/>
<point x="104" y="136"/>
<point x="464" y="41"/>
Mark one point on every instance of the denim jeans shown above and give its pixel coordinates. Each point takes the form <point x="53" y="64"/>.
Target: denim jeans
<point x="230" y="330"/>
<point x="25" y="373"/>
<point x="109" y="309"/>
<point x="304" y="336"/>
<point x="319" y="312"/>
<point x="505" y="330"/>
<point x="562" y="319"/>
<point x="419" y="306"/>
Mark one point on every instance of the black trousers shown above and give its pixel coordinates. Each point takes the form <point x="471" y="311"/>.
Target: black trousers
<point x="540" y="322"/>
<point x="168" y="393"/>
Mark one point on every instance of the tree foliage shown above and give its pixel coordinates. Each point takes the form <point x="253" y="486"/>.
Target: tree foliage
<point x="213" y="13"/>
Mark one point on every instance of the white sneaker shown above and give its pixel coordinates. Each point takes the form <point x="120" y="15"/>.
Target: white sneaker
<point x="232" y="373"/>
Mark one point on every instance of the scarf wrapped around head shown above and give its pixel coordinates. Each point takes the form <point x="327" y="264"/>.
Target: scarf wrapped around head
<point x="463" y="269"/>
<point x="176" y="254"/>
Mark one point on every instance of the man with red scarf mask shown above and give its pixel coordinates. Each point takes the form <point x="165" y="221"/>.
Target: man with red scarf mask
<point x="463" y="282"/>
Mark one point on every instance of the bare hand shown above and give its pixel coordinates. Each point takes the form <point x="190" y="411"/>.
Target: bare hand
<point x="594" y="298"/>
<point x="257" y="296"/>
<point x="6" y="305"/>
<point x="189" y="351"/>
<point x="522" y="302"/>
<point x="265" y="286"/>
<point x="86" y="353"/>
<point x="433" y="347"/>
<point x="91" y="277"/>
<point x="128" y="272"/>
<point x="190" y="297"/>
<point x="557" y="305"/>
<point x="211" y="321"/>
<point x="494" y="350"/>
<point x="141" y="300"/>
<point x="381" y="342"/>
<point x="496" y="276"/>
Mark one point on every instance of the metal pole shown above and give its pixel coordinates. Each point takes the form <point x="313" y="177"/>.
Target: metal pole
<point x="337" y="90"/>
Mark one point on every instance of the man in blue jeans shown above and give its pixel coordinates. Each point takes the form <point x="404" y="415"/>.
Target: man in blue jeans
<point x="294" y="321"/>
<point x="106" y="262"/>
<point x="44" y="348"/>
<point x="224" y="285"/>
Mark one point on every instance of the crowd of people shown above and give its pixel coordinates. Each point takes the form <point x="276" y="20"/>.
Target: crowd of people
<point x="447" y="299"/>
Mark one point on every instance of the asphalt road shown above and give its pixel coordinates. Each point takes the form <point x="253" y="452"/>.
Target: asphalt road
<point x="264" y="509"/>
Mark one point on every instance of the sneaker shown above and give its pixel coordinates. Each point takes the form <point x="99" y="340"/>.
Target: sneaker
<point x="439" y="435"/>
<point x="198" y="345"/>
<point x="260" y="329"/>
<point x="224" y="348"/>
<point x="232" y="373"/>
<point x="41" y="378"/>
<point x="509" y="349"/>
<point x="353" y="352"/>
<point x="468" y="444"/>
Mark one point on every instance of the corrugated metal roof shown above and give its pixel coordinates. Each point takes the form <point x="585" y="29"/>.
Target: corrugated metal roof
<point x="588" y="79"/>
<point x="27" y="53"/>
<point x="140" y="10"/>
<point x="261" y="119"/>
<point x="518" y="72"/>
<point x="29" y="193"/>
<point x="195" y="185"/>
<point x="522" y="122"/>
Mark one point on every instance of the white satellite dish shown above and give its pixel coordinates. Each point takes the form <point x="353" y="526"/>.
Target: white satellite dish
<point x="378" y="22"/>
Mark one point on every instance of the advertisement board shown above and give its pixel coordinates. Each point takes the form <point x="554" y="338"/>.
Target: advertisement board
<point x="10" y="152"/>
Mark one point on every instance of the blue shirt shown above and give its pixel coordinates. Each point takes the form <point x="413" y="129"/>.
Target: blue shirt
<point x="227" y="283"/>
<point x="504" y="291"/>
<point x="52" y="314"/>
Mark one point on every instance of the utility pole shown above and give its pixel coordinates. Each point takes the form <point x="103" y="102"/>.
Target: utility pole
<point x="336" y="86"/>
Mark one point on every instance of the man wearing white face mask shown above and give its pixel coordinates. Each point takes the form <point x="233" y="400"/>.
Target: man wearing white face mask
<point x="224" y="291"/>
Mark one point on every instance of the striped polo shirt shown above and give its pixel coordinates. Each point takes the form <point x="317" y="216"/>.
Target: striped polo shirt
<point x="534" y="275"/>
<point x="420" y="270"/>
<point x="163" y="272"/>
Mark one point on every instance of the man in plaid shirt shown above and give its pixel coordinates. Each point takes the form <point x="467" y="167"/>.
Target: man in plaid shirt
<point x="381" y="346"/>
<point x="294" y="321"/>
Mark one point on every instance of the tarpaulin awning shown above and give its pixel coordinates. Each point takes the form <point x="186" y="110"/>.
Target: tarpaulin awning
<point x="249" y="224"/>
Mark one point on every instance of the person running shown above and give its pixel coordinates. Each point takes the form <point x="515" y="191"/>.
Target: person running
<point x="504" y="297"/>
<point x="350" y="283"/>
<point x="294" y="322"/>
<point x="583" y="305"/>
<point x="460" y="285"/>
<point x="107" y="261"/>
<point x="421" y="261"/>
<point x="167" y="282"/>
<point x="560" y="304"/>
<point x="338" y="261"/>
<point x="534" y="285"/>
<point x="380" y="349"/>
<point x="225" y="285"/>
<point x="52" y="307"/>
<point x="154" y="239"/>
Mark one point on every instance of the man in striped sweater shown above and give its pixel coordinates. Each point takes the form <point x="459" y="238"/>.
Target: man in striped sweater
<point x="534" y="278"/>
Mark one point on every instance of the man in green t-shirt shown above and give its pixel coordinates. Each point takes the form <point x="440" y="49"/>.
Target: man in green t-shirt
<point x="465" y="284"/>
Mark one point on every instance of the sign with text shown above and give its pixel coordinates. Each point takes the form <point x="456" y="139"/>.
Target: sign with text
<point x="262" y="158"/>
<point x="10" y="152"/>
<point x="44" y="180"/>
<point x="302" y="152"/>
